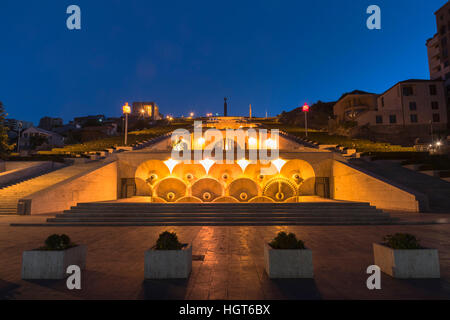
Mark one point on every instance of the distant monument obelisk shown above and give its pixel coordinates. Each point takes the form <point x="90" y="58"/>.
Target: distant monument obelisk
<point x="225" y="107"/>
<point x="250" y="112"/>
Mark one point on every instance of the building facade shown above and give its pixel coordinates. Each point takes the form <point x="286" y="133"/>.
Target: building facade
<point x="351" y="106"/>
<point x="16" y="125"/>
<point x="48" y="123"/>
<point x="147" y="110"/>
<point x="37" y="138"/>
<point x="438" y="52"/>
<point x="417" y="106"/>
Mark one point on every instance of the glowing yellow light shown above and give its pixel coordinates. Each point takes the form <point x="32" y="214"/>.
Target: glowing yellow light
<point x="126" y="108"/>
<point x="142" y="111"/>
<point x="171" y="164"/>
<point x="252" y="141"/>
<point x="279" y="163"/>
<point x="201" y="141"/>
<point x="207" y="164"/>
<point x="243" y="163"/>
<point x="192" y="114"/>
<point x="270" y="143"/>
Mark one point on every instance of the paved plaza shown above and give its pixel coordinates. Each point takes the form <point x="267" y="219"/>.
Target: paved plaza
<point x="228" y="263"/>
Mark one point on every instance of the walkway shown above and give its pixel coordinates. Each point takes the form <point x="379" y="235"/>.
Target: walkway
<point x="232" y="267"/>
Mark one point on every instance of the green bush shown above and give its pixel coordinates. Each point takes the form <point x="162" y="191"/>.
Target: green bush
<point x="58" y="242"/>
<point x="168" y="241"/>
<point x="286" y="241"/>
<point x="402" y="241"/>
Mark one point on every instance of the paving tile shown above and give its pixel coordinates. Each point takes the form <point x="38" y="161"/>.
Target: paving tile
<point x="233" y="267"/>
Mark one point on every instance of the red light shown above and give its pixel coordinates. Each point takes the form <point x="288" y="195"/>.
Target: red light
<point x="305" y="108"/>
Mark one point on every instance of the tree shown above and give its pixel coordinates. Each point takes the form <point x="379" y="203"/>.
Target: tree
<point x="5" y="148"/>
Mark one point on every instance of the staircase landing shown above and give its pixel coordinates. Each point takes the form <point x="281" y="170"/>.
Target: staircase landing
<point x="125" y="213"/>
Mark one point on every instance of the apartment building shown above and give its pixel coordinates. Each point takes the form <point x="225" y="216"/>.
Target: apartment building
<point x="416" y="104"/>
<point x="146" y="110"/>
<point x="438" y="49"/>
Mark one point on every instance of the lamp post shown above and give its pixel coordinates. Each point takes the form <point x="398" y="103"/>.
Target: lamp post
<point x="126" y="110"/>
<point x="305" y="110"/>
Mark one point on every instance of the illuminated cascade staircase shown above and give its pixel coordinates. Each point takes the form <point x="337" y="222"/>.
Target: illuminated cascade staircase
<point x="205" y="214"/>
<point x="10" y="196"/>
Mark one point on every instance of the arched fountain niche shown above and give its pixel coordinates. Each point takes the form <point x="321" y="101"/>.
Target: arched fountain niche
<point x="260" y="172"/>
<point x="189" y="172"/>
<point x="225" y="173"/>
<point x="207" y="189"/>
<point x="302" y="174"/>
<point x="170" y="189"/>
<point x="280" y="189"/>
<point x="148" y="174"/>
<point x="243" y="189"/>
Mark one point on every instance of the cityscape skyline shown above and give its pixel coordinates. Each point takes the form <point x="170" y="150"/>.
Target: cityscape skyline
<point x="185" y="67"/>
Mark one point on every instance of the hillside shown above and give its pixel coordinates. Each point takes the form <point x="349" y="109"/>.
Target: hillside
<point x="317" y="116"/>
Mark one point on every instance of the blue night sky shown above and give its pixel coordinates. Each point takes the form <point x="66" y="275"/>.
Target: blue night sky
<point x="188" y="55"/>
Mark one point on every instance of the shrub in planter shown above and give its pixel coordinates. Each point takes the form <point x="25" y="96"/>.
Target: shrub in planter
<point x="287" y="257"/>
<point x="402" y="241"/>
<point x="168" y="259"/>
<point x="51" y="260"/>
<point x="402" y="256"/>
<point x="168" y="241"/>
<point x="286" y="241"/>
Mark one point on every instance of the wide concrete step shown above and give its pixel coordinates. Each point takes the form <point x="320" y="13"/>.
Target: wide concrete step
<point x="225" y="214"/>
<point x="204" y="214"/>
<point x="204" y="223"/>
<point x="217" y="218"/>
<point x="215" y="205"/>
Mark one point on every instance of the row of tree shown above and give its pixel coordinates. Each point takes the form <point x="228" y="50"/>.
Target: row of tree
<point x="5" y="148"/>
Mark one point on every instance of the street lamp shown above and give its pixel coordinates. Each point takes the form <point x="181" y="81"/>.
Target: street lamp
<point x="126" y="110"/>
<point x="305" y="110"/>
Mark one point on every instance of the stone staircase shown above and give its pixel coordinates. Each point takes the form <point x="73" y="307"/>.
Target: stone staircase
<point x="218" y="214"/>
<point x="29" y="177"/>
<point x="436" y="190"/>
<point x="10" y="196"/>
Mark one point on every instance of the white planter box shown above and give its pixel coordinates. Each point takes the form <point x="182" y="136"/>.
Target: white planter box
<point x="407" y="264"/>
<point x="46" y="264"/>
<point x="168" y="264"/>
<point x="296" y="263"/>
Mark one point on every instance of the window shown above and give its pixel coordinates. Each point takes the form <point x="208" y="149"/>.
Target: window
<point x="382" y="101"/>
<point x="413" y="118"/>
<point x="392" y="118"/>
<point x="434" y="105"/>
<point x="433" y="90"/>
<point x="407" y="91"/>
<point x="379" y="119"/>
<point x="436" y="117"/>
<point x="412" y="106"/>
